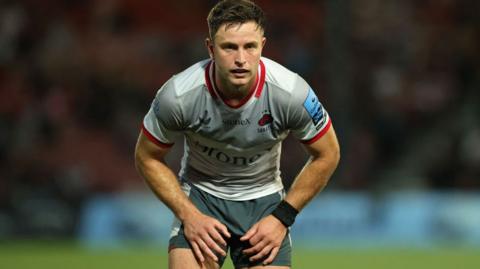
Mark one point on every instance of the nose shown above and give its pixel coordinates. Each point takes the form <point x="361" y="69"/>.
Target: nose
<point x="240" y="59"/>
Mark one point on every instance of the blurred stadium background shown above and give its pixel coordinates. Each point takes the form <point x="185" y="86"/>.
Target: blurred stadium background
<point x="400" y="79"/>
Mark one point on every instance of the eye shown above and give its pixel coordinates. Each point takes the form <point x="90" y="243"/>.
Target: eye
<point x="250" y="46"/>
<point x="229" y="47"/>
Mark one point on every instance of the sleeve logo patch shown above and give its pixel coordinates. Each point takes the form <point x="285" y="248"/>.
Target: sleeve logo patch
<point x="313" y="107"/>
<point x="156" y="107"/>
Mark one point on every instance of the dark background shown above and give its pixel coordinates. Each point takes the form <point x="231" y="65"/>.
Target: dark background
<point x="400" y="80"/>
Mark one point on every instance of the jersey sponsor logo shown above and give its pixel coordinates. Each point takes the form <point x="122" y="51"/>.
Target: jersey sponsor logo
<point x="314" y="108"/>
<point x="225" y="157"/>
<point x="236" y="122"/>
<point x="322" y="121"/>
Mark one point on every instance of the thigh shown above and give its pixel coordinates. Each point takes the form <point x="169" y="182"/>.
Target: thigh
<point x="265" y="267"/>
<point x="181" y="258"/>
<point x="178" y="243"/>
<point x="270" y="267"/>
<point x="282" y="260"/>
<point x="258" y="209"/>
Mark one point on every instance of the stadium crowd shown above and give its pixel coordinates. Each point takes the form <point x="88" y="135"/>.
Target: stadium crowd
<point x="76" y="78"/>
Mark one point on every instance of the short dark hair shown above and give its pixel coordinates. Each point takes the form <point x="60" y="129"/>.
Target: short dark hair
<point x="233" y="12"/>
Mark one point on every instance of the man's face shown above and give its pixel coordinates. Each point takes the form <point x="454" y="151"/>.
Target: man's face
<point x="237" y="50"/>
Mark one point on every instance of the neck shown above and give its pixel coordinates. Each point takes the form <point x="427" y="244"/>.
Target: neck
<point x="234" y="94"/>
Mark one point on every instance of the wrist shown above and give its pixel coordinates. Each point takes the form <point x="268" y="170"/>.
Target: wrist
<point x="285" y="213"/>
<point x="188" y="212"/>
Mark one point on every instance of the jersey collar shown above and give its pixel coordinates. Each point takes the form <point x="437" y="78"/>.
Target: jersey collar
<point x="212" y="88"/>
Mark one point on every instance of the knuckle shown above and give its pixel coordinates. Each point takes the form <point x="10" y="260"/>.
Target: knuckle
<point x="259" y="247"/>
<point x="213" y="245"/>
<point x="205" y="237"/>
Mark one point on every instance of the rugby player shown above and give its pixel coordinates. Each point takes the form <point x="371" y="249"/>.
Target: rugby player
<point x="234" y="110"/>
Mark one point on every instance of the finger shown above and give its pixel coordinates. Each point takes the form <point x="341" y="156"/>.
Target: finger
<point x="256" y="248"/>
<point x="217" y="237"/>
<point x="207" y="251"/>
<point x="255" y="239"/>
<point x="252" y="231"/>
<point x="272" y="256"/>
<point x="264" y="252"/>
<point x="197" y="252"/>
<point x="223" y="229"/>
<point x="213" y="245"/>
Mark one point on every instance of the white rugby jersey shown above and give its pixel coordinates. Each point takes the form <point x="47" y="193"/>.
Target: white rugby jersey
<point x="234" y="152"/>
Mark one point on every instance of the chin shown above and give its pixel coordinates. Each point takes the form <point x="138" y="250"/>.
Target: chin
<point x="240" y="81"/>
<point x="239" y="85"/>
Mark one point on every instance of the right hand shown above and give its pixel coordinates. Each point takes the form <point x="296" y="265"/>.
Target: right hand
<point x="205" y="234"/>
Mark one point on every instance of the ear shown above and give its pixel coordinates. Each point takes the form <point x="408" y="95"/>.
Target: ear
<point x="264" y="40"/>
<point x="209" y="45"/>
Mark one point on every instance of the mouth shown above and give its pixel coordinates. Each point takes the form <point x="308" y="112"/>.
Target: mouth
<point x="239" y="72"/>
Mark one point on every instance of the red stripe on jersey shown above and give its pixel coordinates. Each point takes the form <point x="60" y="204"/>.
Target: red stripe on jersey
<point x="256" y="89"/>
<point x="154" y="139"/>
<point x="262" y="80"/>
<point x="207" y="79"/>
<point x="319" y="135"/>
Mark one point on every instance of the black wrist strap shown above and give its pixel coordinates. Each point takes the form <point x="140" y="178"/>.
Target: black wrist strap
<point x="285" y="213"/>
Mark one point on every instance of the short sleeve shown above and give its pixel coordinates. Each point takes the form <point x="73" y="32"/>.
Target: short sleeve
<point x="162" y="122"/>
<point x="307" y="117"/>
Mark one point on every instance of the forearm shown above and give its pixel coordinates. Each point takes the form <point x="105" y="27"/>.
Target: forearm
<point x="310" y="181"/>
<point x="163" y="182"/>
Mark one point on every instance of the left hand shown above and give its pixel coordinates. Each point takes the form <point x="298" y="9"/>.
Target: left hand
<point x="266" y="237"/>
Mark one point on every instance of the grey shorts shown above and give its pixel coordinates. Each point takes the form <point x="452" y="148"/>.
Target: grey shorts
<point x="238" y="216"/>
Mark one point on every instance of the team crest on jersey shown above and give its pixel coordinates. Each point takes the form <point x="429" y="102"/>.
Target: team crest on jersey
<point x="265" y="122"/>
<point x="265" y="119"/>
